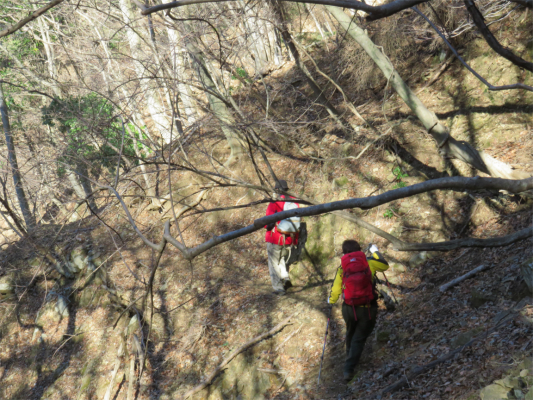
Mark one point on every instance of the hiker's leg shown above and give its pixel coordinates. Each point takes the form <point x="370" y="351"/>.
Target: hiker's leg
<point x="365" y="326"/>
<point x="284" y="262"/>
<point x="351" y="323"/>
<point x="274" y="255"/>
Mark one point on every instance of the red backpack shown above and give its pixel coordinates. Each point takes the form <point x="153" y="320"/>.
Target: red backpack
<point x="356" y="279"/>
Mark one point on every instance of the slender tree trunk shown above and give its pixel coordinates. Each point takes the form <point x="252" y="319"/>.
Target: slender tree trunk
<point x="218" y="106"/>
<point x="29" y="218"/>
<point x="317" y="24"/>
<point x="256" y="35"/>
<point x="448" y="146"/>
<point x="50" y="56"/>
<point x="150" y="96"/>
<point x="177" y="58"/>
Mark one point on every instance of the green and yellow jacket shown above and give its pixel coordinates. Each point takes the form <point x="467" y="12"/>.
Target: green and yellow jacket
<point x="376" y="262"/>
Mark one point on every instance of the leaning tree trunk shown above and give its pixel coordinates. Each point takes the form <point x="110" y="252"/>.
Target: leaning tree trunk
<point x="448" y="146"/>
<point x="218" y="106"/>
<point x="29" y="218"/>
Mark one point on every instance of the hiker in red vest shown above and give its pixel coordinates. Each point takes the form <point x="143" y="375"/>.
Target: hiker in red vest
<point x="281" y="238"/>
<point x="355" y="280"/>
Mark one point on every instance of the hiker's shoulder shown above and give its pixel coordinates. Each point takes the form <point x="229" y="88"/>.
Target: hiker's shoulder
<point x="377" y="262"/>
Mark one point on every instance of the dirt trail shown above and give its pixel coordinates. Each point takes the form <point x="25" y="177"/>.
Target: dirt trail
<point x="60" y="341"/>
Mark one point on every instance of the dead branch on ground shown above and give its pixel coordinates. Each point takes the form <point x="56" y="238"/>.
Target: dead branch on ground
<point x="234" y="353"/>
<point x="461" y="278"/>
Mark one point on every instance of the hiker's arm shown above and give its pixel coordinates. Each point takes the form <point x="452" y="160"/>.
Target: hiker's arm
<point x="377" y="263"/>
<point x="271" y="209"/>
<point x="336" y="288"/>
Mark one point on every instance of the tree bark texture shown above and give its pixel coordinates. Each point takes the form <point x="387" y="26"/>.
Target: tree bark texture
<point x="150" y="96"/>
<point x="448" y="146"/>
<point x="218" y="106"/>
<point x="29" y="218"/>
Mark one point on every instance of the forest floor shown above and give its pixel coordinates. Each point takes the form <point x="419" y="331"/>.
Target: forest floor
<point x="222" y="299"/>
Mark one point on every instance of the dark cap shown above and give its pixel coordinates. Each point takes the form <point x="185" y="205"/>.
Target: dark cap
<point x="281" y="186"/>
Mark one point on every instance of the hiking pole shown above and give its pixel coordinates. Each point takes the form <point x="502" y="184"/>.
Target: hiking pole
<point x="324" y="348"/>
<point x="388" y="284"/>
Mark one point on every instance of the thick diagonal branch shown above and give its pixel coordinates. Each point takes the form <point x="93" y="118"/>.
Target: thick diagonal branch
<point x="491" y="40"/>
<point x="460" y="183"/>
<point x="374" y="12"/>
<point x="34" y="15"/>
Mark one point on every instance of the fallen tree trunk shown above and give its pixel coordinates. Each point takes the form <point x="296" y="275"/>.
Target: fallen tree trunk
<point x="236" y="352"/>
<point x="448" y="146"/>
<point x="461" y="278"/>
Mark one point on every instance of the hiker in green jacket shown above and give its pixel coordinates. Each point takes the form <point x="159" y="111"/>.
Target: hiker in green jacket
<point x="355" y="280"/>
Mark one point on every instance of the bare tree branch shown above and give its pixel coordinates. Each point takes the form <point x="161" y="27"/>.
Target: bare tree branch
<point x="34" y="15"/>
<point x="490" y="86"/>
<point x="513" y="186"/>
<point x="400" y="245"/>
<point x="492" y="41"/>
<point x="374" y="12"/>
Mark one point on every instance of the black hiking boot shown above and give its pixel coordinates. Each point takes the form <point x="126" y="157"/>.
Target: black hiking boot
<point x="348" y="377"/>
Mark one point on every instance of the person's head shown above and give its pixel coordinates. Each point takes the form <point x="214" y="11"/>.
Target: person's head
<point x="349" y="246"/>
<point x="280" y="187"/>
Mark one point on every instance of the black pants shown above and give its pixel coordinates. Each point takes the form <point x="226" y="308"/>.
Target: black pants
<point x="357" y="331"/>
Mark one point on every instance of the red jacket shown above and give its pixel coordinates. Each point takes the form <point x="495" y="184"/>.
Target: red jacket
<point x="274" y="236"/>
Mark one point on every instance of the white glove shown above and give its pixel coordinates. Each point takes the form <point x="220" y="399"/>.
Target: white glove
<point x="373" y="248"/>
<point x="328" y="301"/>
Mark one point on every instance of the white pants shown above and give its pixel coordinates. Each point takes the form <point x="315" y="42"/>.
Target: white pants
<point x="278" y="264"/>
